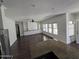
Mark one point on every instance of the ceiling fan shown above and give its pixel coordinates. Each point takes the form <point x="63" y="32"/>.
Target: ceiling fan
<point x="32" y="20"/>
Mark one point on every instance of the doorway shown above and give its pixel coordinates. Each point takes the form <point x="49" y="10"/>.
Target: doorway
<point x="77" y="31"/>
<point x="75" y="17"/>
<point x="18" y="30"/>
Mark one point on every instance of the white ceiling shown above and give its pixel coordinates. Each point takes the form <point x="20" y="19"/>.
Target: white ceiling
<point x="36" y="9"/>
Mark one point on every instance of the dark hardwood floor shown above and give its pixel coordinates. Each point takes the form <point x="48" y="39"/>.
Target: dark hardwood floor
<point x="29" y="47"/>
<point x="21" y="48"/>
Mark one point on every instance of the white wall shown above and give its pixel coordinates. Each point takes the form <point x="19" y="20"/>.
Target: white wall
<point x="10" y="25"/>
<point x="70" y="38"/>
<point x="76" y="18"/>
<point x="32" y="26"/>
<point x="1" y="23"/>
<point x="28" y="28"/>
<point x="61" y="21"/>
<point x="25" y="26"/>
<point x="67" y="28"/>
<point x="74" y="8"/>
<point x="20" y="27"/>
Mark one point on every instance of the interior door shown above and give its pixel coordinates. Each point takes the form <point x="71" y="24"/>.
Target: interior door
<point x="77" y="31"/>
<point x="18" y="31"/>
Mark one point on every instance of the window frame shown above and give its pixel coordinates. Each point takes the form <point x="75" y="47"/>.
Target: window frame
<point x="45" y="27"/>
<point x="50" y="27"/>
<point x="55" y="28"/>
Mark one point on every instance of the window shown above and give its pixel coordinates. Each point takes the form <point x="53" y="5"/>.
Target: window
<point x="55" y="28"/>
<point x="45" y="27"/>
<point x="50" y="28"/>
<point x="71" y="28"/>
<point x="38" y="26"/>
<point x="32" y="26"/>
